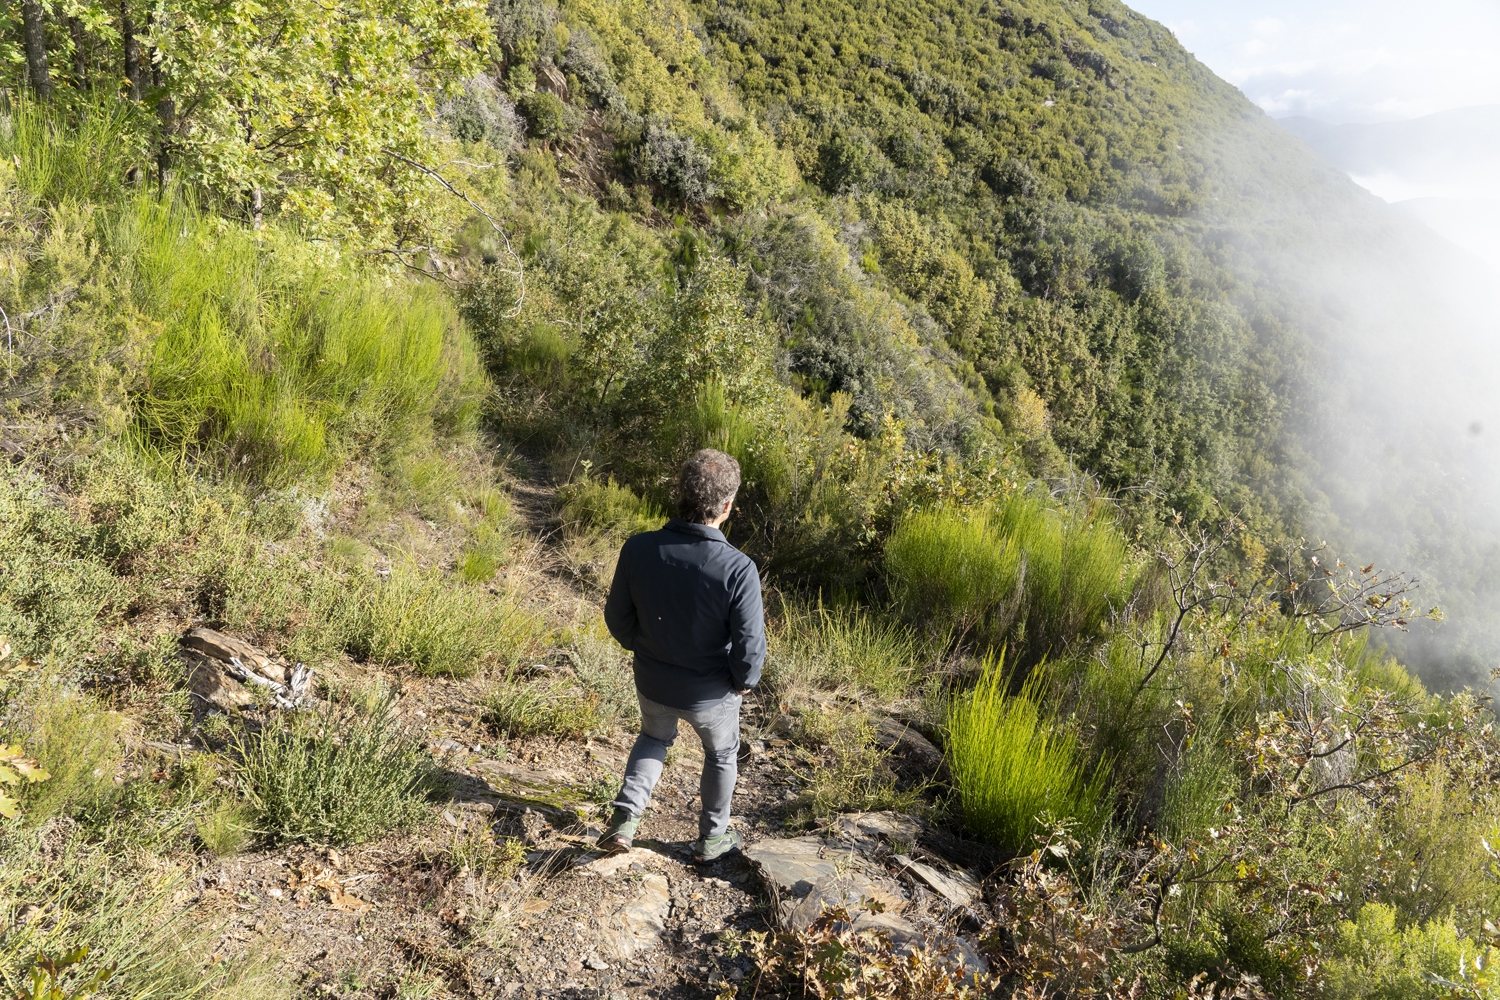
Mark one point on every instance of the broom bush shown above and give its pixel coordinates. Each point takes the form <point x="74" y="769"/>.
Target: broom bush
<point x="1012" y="763"/>
<point x="1020" y="573"/>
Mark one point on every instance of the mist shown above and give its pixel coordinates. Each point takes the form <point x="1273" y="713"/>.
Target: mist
<point x="1405" y="440"/>
<point x="1398" y="431"/>
<point x="1442" y="170"/>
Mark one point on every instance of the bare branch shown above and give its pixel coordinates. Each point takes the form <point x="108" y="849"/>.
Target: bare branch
<point x="518" y="272"/>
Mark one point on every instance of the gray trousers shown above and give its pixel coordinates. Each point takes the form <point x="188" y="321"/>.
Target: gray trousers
<point x="718" y="726"/>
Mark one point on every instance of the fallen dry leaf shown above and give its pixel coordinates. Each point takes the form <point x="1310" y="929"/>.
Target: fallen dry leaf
<point x="339" y="896"/>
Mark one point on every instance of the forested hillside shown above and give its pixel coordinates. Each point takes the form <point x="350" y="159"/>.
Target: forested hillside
<point x="356" y="337"/>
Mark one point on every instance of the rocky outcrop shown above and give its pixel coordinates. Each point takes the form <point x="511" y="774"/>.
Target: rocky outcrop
<point x="857" y="863"/>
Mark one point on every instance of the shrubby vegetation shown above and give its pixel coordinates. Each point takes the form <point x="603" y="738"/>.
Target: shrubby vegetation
<point x="1014" y="768"/>
<point x="335" y="780"/>
<point x="947" y="279"/>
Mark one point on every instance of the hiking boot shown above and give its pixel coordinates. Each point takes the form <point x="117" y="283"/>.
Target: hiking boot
<point x="620" y="834"/>
<point x="714" y="848"/>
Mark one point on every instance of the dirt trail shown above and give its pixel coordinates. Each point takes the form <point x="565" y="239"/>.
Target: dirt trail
<point x="401" y="917"/>
<point x="420" y="915"/>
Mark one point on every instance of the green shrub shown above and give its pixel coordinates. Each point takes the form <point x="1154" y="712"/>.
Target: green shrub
<point x="605" y="507"/>
<point x="79" y="156"/>
<point x="521" y="709"/>
<point x="954" y="568"/>
<point x="550" y="119"/>
<point x="603" y="669"/>
<point x="1077" y="572"/>
<point x="1432" y="823"/>
<point x="54" y="592"/>
<point x="1012" y="762"/>
<point x="437" y="627"/>
<point x="225" y="828"/>
<point x="1202" y="780"/>
<point x="336" y="778"/>
<point x="833" y="648"/>
<point x="1022" y="573"/>
<point x="275" y="365"/>
<point x="474" y="850"/>
<point x="308" y="612"/>
<point x="1373" y="959"/>
<point x="77" y="741"/>
<point x="844" y="769"/>
<point x="124" y="909"/>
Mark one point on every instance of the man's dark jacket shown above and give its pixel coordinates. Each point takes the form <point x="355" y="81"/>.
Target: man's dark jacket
<point x="687" y="603"/>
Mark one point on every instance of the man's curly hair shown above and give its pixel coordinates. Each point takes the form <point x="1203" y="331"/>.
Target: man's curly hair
<point x="708" y="479"/>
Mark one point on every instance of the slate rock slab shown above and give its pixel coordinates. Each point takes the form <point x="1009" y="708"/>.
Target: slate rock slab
<point x="867" y="831"/>
<point x="638" y="925"/>
<point x="851" y="890"/>
<point x="958" y="888"/>
<point x="916" y="758"/>
<point x="792" y="865"/>
<point x="809" y="873"/>
<point x="813" y="874"/>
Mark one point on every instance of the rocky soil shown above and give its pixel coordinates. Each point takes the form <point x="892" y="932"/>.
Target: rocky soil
<point x="415" y="916"/>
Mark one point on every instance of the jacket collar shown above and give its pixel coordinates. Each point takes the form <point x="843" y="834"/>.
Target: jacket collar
<point x="693" y="528"/>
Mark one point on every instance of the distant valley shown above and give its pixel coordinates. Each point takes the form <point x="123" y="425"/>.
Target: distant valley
<point x="1441" y="169"/>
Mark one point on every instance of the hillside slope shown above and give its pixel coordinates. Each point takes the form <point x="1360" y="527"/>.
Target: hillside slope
<point x="356" y="339"/>
<point x="1095" y="218"/>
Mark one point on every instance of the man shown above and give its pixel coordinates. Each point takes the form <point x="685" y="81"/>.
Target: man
<point x="687" y="603"/>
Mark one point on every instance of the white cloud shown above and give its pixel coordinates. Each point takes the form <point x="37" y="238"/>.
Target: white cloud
<point x="1345" y="60"/>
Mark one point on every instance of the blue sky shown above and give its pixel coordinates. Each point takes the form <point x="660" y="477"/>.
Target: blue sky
<point x="1345" y="60"/>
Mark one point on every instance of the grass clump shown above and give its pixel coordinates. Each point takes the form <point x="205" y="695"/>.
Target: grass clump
<point x="100" y="896"/>
<point x="1201" y="782"/>
<point x="1021" y="573"/>
<point x="516" y="708"/>
<point x="605" y="507"/>
<point x="956" y="569"/>
<point x="1077" y="574"/>
<point x="341" y="779"/>
<point x="845" y="770"/>
<point x="475" y="850"/>
<point x="1012" y="763"/>
<point x="76" y="741"/>
<point x="225" y="828"/>
<point x="279" y="375"/>
<point x="843" y="648"/>
<point x="421" y="620"/>
<point x="490" y="541"/>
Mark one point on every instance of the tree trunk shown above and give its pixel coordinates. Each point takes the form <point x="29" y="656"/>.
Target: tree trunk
<point x="80" y="53"/>
<point x="132" y="52"/>
<point x="35" y="33"/>
<point x="166" y="116"/>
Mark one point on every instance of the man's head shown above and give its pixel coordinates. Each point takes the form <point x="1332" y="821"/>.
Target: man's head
<point x="708" y="482"/>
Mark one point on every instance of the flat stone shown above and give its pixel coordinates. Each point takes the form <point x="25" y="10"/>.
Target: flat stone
<point x="613" y="864"/>
<point x="792" y="864"/>
<point x="226" y="647"/>
<point x="865" y="831"/>
<point x="907" y="937"/>
<point x="958" y="888"/>
<point x="913" y="750"/>
<point x="851" y="890"/>
<point x="639" y="924"/>
<point x="208" y="682"/>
